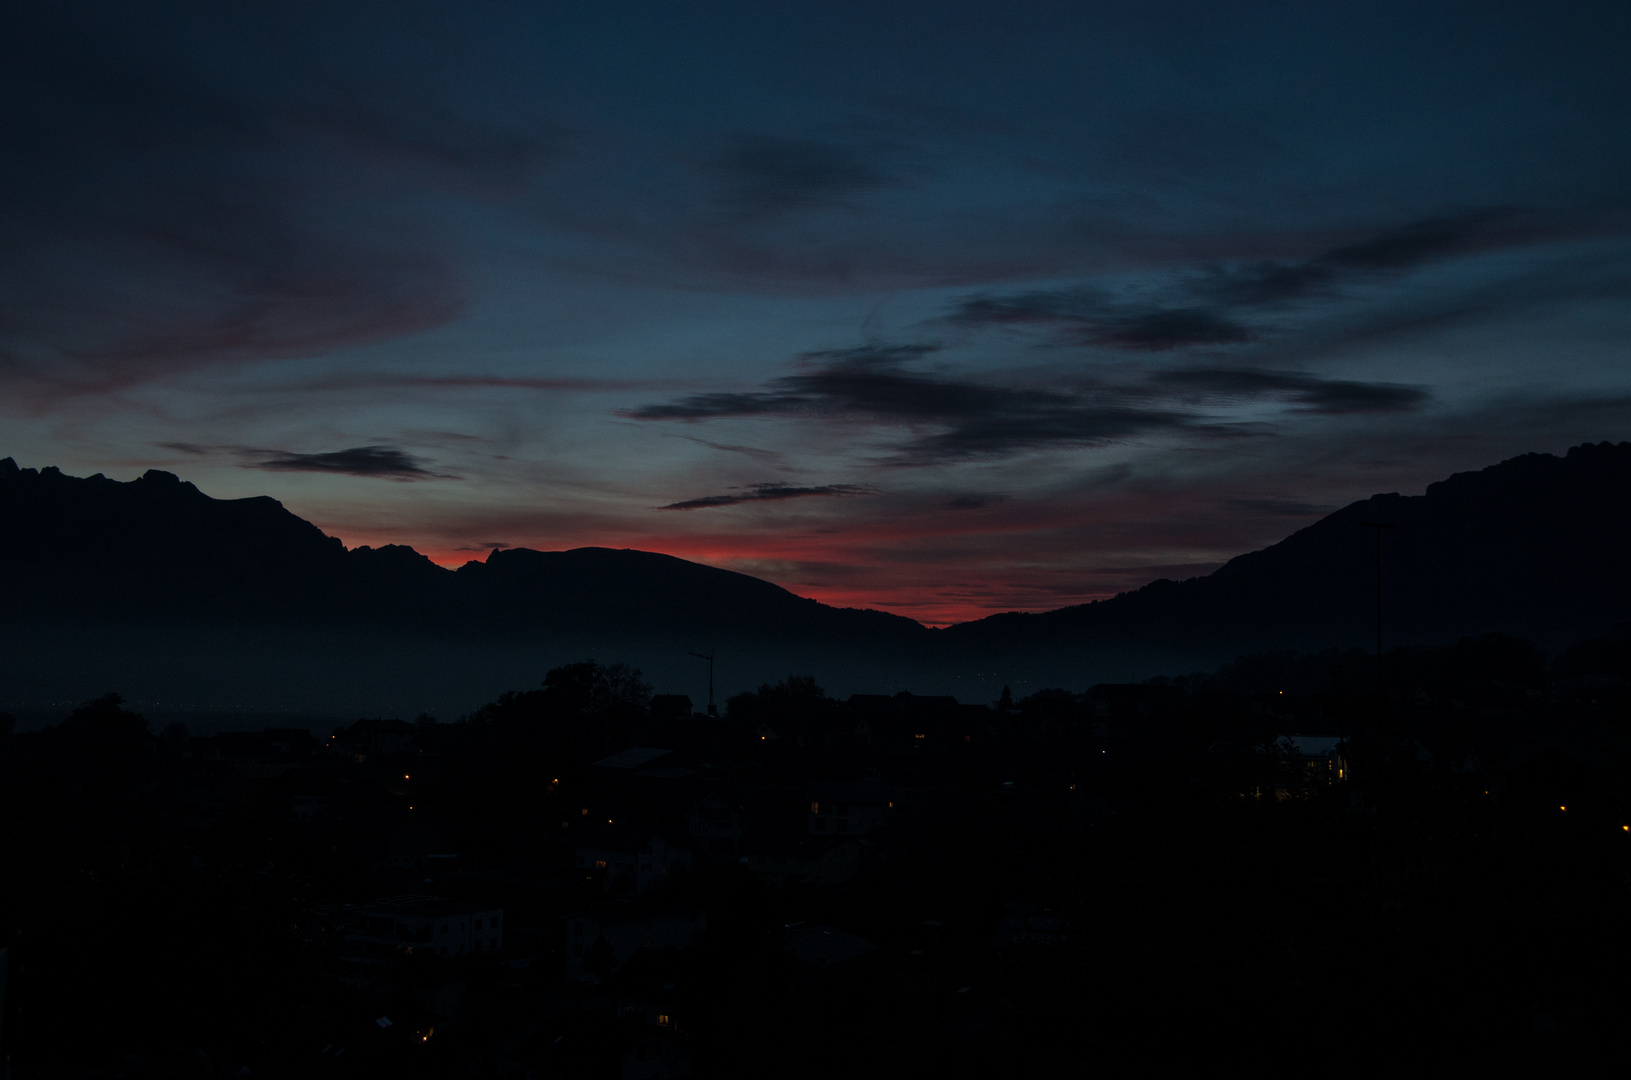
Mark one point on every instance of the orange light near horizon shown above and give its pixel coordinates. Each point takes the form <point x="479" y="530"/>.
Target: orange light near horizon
<point x="985" y="589"/>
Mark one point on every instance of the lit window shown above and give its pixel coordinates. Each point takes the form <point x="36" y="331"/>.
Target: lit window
<point x="815" y="808"/>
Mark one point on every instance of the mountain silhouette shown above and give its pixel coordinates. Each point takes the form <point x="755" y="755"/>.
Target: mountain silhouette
<point x="158" y="550"/>
<point x="1538" y="546"/>
<point x="152" y="579"/>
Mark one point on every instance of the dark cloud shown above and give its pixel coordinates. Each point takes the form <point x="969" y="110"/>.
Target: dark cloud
<point x="1310" y="393"/>
<point x="1217" y="305"/>
<point x="974" y="418"/>
<point x="376" y="380"/>
<point x="1418" y="242"/>
<point x="958" y="418"/>
<point x="157" y="215"/>
<point x="1160" y="329"/>
<point x="762" y="175"/>
<point x="1259" y="284"/>
<point x="1392" y="250"/>
<point x="385" y="461"/>
<point x="769" y="493"/>
<point x="871" y="354"/>
<point x="735" y="448"/>
<point x="1086" y="317"/>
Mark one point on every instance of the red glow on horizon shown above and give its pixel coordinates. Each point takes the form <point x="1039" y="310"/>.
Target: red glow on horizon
<point x="931" y="594"/>
<point x="936" y="567"/>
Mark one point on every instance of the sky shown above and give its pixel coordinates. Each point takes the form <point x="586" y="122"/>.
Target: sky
<point x="944" y="309"/>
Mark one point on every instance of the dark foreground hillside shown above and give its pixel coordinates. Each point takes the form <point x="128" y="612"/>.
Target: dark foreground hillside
<point x="584" y="880"/>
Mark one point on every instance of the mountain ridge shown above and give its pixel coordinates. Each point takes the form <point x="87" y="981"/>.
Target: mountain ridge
<point x="158" y="549"/>
<point x="163" y="577"/>
<point x="1537" y="543"/>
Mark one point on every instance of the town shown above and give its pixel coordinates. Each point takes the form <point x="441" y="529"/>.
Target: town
<point x="589" y="879"/>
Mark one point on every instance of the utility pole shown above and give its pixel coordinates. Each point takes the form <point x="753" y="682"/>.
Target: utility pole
<point x="1378" y="526"/>
<point x="709" y="656"/>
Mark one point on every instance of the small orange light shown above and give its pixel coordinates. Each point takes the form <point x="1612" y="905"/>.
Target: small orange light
<point x="1565" y="809"/>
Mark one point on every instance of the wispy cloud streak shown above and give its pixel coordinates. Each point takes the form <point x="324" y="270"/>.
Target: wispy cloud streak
<point x="769" y="493"/>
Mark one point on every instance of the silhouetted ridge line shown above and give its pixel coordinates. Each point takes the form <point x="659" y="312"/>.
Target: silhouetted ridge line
<point x="1537" y="545"/>
<point x="157" y="549"/>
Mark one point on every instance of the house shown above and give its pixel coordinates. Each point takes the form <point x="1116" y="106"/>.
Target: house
<point x="626" y="927"/>
<point x="671" y="707"/>
<point x="1320" y="756"/>
<point x="373" y="738"/>
<point x="803" y="859"/>
<point x="1028" y="928"/>
<point x="258" y="755"/>
<point x="652" y="989"/>
<point x="823" y="946"/>
<point x="1289" y="764"/>
<point x="838" y="807"/>
<point x="631" y="858"/>
<point x="412" y="923"/>
<point x="716" y="823"/>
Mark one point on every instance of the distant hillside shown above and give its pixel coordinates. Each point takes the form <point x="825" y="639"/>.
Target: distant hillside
<point x="1538" y="546"/>
<point x="156" y="550"/>
<point x="152" y="586"/>
<point x="183" y="601"/>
